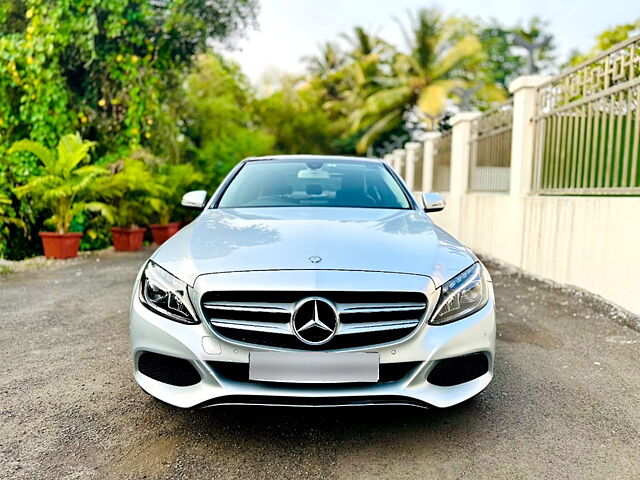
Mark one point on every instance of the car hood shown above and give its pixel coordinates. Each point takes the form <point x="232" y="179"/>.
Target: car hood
<point x="284" y="238"/>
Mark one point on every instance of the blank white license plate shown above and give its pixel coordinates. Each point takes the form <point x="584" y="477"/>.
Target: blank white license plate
<point x="303" y="367"/>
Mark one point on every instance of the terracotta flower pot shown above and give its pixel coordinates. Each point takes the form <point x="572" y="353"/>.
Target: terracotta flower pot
<point x="60" y="245"/>
<point x="163" y="232"/>
<point x="127" y="239"/>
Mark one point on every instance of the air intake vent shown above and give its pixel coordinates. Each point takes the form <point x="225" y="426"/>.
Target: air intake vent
<point x="263" y="317"/>
<point x="456" y="370"/>
<point x="239" y="372"/>
<point x="170" y="370"/>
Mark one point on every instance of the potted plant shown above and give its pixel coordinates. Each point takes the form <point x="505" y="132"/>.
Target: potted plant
<point x="65" y="187"/>
<point x="132" y="193"/>
<point x="175" y="180"/>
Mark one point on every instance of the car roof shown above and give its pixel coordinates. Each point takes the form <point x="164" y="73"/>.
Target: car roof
<point x="326" y="158"/>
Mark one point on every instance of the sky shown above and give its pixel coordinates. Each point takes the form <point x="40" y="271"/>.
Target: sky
<point x="289" y="29"/>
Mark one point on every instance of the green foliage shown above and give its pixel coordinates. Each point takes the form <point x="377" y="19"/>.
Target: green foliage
<point x="110" y="69"/>
<point x="7" y="219"/>
<point x="366" y="89"/>
<point x="295" y="118"/>
<point x="66" y="185"/>
<point x="7" y="214"/>
<point x="221" y="122"/>
<point x="131" y="192"/>
<point x="95" y="228"/>
<point x="442" y="54"/>
<point x="176" y="180"/>
<point x="101" y="66"/>
<point x="502" y="64"/>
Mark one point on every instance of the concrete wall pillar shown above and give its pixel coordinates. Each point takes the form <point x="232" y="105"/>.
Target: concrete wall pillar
<point x="398" y="160"/>
<point x="428" y="154"/>
<point x="459" y="177"/>
<point x="460" y="151"/>
<point x="523" y="133"/>
<point x="412" y="149"/>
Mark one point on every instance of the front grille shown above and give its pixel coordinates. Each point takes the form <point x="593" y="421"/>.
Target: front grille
<point x="166" y="369"/>
<point x="263" y="317"/>
<point x="239" y="372"/>
<point x="457" y="370"/>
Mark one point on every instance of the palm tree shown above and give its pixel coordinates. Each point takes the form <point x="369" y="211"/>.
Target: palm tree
<point x="66" y="187"/>
<point x="328" y="61"/>
<point x="441" y="56"/>
<point x="363" y="44"/>
<point x="368" y="60"/>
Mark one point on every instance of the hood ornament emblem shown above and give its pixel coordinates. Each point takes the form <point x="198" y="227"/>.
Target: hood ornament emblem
<point x="315" y="259"/>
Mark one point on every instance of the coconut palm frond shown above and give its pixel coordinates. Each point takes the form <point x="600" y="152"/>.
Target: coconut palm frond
<point x="432" y="99"/>
<point x="464" y="52"/>
<point x="389" y="121"/>
<point x="384" y="100"/>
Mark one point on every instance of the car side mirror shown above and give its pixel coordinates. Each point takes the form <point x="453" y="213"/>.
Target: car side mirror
<point x="432" y="202"/>
<point x="194" y="199"/>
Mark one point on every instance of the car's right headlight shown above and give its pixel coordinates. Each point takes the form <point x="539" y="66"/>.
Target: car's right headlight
<point x="165" y="294"/>
<point x="461" y="296"/>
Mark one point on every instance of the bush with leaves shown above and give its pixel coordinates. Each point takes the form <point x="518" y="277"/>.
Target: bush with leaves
<point x="109" y="69"/>
<point x="66" y="185"/>
<point x="175" y="180"/>
<point x="105" y="67"/>
<point x="222" y="124"/>
<point x="7" y="218"/>
<point x="132" y="193"/>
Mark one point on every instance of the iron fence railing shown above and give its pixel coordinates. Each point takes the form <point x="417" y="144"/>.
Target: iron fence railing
<point x="490" y="150"/>
<point x="442" y="163"/>
<point x="587" y="127"/>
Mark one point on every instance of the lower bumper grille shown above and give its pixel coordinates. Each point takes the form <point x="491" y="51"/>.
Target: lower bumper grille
<point x="456" y="370"/>
<point x="239" y="372"/>
<point x="166" y="369"/>
<point x="264" y="317"/>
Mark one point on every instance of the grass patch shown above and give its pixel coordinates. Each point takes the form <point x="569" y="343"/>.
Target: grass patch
<point x="4" y="270"/>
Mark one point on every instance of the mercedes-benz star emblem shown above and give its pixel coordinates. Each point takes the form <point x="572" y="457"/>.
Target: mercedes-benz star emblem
<point x="315" y="320"/>
<point x="315" y="259"/>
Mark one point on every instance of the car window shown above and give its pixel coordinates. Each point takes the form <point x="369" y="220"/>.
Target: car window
<point x="290" y="183"/>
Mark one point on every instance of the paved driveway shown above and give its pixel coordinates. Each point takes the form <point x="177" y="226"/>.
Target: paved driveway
<point x="565" y="401"/>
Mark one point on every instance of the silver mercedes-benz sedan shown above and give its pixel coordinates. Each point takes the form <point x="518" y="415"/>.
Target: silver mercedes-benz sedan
<point x="313" y="281"/>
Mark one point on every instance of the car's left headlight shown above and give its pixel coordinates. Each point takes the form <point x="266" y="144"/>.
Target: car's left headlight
<point x="461" y="296"/>
<point x="166" y="295"/>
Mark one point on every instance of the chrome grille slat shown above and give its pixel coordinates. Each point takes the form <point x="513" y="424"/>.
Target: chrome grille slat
<point x="347" y="308"/>
<point x="348" y="328"/>
<point x="249" y="306"/>
<point x="269" y="327"/>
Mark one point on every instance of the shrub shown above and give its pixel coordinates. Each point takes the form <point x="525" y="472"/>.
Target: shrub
<point x="67" y="185"/>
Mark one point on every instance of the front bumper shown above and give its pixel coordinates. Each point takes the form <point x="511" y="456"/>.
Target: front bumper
<point x="199" y="345"/>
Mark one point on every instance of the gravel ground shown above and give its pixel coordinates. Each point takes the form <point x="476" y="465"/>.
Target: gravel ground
<point x="565" y="401"/>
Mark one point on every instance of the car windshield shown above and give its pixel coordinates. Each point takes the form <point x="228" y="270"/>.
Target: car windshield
<point x="309" y="183"/>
